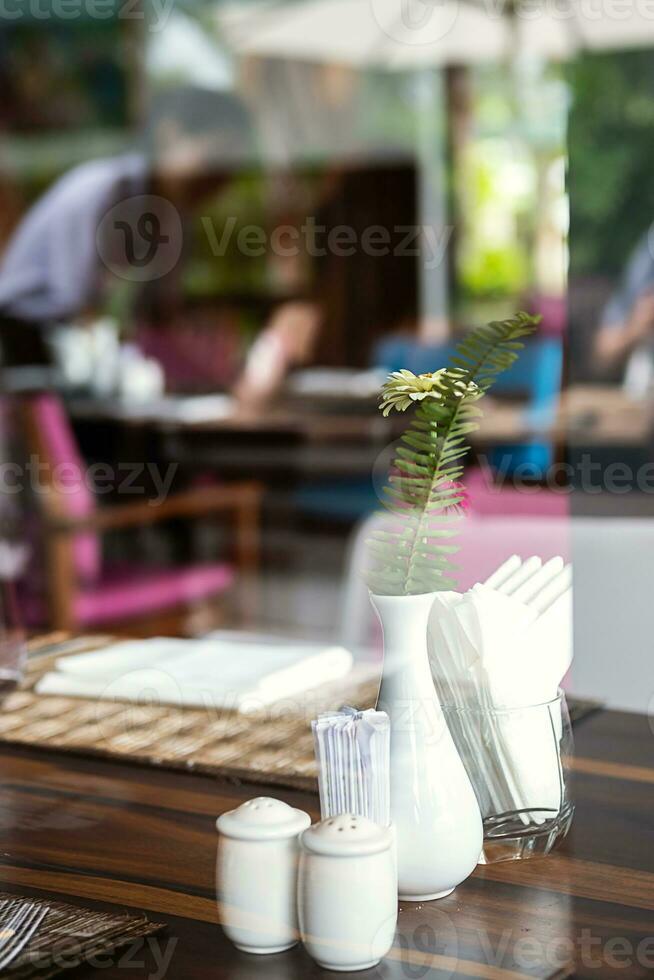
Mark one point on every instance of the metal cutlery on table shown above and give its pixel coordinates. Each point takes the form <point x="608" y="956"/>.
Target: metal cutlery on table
<point x="19" y="921"/>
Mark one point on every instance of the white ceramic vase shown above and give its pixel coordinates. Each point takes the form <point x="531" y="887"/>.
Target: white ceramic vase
<point x="433" y="805"/>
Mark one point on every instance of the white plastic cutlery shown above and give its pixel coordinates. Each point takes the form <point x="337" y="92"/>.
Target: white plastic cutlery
<point x="520" y="576"/>
<point x="496" y="651"/>
<point x="558" y="586"/>
<point x="530" y="590"/>
<point x="501" y="574"/>
<point x="532" y="582"/>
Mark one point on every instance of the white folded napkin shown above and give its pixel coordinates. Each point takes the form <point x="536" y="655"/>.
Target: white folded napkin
<point x="193" y="408"/>
<point x="240" y="673"/>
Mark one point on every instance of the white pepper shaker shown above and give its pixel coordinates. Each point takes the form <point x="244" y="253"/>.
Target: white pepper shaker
<point x="347" y="892"/>
<point x="256" y="874"/>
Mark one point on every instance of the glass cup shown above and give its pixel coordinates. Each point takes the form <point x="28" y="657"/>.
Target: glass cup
<point x="12" y="641"/>
<point x="517" y="760"/>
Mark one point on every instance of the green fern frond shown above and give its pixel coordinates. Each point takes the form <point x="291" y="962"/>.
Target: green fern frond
<point x="412" y="553"/>
<point x="489" y="350"/>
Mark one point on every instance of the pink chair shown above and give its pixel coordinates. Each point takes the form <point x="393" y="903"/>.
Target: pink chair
<point x="503" y="519"/>
<point x="553" y="310"/>
<point x="79" y="590"/>
<point x="486" y="497"/>
<point x="485" y="542"/>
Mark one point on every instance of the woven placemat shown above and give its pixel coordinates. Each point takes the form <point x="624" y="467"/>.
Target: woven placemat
<point x="275" y="747"/>
<point x="69" y="936"/>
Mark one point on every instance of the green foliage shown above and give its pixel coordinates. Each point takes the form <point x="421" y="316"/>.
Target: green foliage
<point x="494" y="271"/>
<point x="610" y="151"/>
<point x="494" y="194"/>
<point x="412" y="553"/>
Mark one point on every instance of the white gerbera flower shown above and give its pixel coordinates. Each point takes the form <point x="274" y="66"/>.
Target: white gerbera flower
<point x="402" y="388"/>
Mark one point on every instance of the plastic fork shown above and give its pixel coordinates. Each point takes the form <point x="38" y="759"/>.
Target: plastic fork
<point x="16" y="932"/>
<point x="526" y="571"/>
<point x="556" y="588"/>
<point x="532" y="582"/>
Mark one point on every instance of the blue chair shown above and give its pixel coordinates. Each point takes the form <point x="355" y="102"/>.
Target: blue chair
<point x="536" y="373"/>
<point x="339" y="500"/>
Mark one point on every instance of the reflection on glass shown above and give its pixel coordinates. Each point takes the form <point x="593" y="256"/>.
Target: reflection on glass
<point x="12" y="640"/>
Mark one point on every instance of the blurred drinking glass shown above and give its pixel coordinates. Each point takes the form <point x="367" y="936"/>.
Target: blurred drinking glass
<point x="12" y="638"/>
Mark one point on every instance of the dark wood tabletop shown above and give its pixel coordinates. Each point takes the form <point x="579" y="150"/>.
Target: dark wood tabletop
<point x="584" y="414"/>
<point x="104" y="834"/>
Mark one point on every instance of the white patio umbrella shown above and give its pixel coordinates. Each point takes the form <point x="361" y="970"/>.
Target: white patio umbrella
<point x="361" y="33"/>
<point x="405" y="34"/>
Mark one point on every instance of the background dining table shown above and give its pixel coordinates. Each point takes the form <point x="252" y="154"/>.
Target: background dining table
<point x="104" y="834"/>
<point x="593" y="413"/>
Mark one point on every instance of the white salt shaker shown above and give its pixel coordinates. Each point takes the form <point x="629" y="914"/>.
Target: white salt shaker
<point x="347" y="892"/>
<point x="256" y="874"/>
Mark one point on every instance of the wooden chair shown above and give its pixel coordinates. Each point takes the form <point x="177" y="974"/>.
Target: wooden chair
<point x="80" y="590"/>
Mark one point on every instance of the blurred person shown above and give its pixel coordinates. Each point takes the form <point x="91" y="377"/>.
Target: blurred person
<point x="361" y="290"/>
<point x="625" y="337"/>
<point x="63" y="258"/>
<point x="287" y="342"/>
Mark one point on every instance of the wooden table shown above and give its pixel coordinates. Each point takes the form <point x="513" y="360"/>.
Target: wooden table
<point x="102" y="833"/>
<point x="586" y="414"/>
